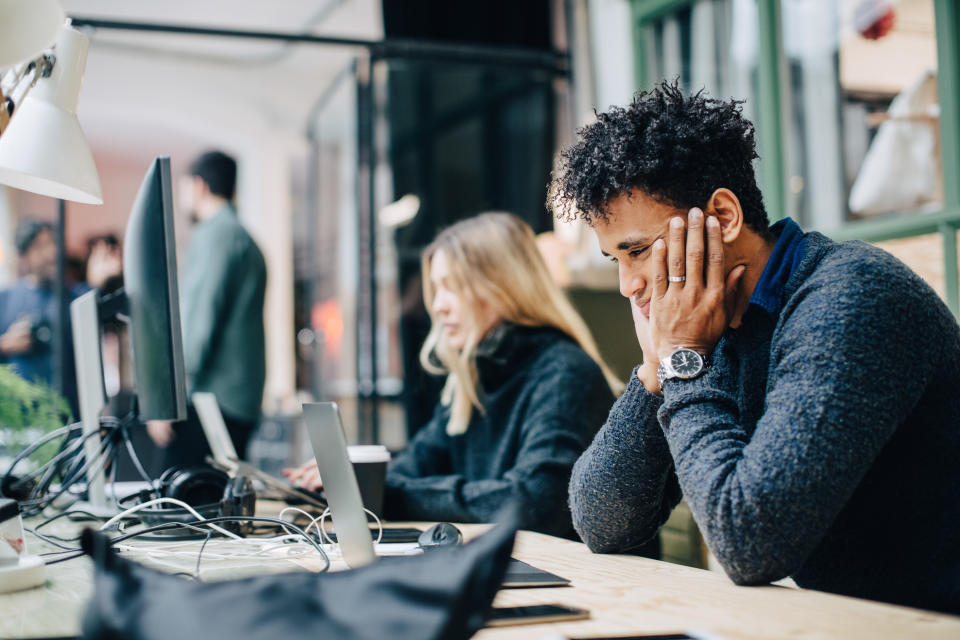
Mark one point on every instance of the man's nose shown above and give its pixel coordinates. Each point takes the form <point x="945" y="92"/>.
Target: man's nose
<point x="630" y="283"/>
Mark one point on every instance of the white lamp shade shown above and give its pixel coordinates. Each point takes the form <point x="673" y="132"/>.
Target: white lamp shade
<point x="43" y="149"/>
<point x="27" y="27"/>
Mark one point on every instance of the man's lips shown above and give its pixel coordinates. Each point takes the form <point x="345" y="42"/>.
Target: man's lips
<point x="644" y="307"/>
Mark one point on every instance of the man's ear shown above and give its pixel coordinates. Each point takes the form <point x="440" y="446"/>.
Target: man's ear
<point x="725" y="205"/>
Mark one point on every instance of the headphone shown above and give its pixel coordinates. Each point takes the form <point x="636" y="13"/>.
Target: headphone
<point x="211" y="492"/>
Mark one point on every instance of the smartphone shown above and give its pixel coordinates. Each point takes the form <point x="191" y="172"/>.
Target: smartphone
<point x="534" y="614"/>
<point x="659" y="636"/>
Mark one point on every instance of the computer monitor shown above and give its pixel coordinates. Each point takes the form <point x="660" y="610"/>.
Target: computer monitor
<point x="150" y="303"/>
<point x="150" y="283"/>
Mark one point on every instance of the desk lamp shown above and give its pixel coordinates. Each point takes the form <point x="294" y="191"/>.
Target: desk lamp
<point x="42" y="148"/>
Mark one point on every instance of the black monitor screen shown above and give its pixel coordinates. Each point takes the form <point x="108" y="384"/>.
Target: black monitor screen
<point x="150" y="281"/>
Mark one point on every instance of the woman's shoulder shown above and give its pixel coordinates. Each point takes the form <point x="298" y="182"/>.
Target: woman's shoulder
<point x="561" y="353"/>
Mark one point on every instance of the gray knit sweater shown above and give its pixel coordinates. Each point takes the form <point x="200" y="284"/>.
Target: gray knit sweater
<point x="822" y="443"/>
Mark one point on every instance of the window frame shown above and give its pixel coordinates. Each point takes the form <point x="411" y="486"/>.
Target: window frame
<point x="772" y="147"/>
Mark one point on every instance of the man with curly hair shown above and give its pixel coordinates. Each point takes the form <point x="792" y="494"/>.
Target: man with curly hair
<point x="802" y="394"/>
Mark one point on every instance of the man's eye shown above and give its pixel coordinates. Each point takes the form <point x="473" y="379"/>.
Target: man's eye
<point x="612" y="259"/>
<point x="638" y="252"/>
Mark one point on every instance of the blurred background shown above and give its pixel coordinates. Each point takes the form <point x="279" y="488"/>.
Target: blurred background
<point x="362" y="127"/>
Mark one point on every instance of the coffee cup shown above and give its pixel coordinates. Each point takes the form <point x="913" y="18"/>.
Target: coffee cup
<point x="370" y="467"/>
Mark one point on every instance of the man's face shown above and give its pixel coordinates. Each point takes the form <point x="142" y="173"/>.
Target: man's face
<point x="190" y="190"/>
<point x="41" y="257"/>
<point x="633" y="224"/>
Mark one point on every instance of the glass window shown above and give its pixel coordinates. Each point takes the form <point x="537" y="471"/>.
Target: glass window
<point x="862" y="135"/>
<point x="711" y="45"/>
<point x="923" y="254"/>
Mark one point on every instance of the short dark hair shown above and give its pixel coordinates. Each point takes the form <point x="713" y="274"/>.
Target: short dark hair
<point x="27" y="231"/>
<point x="218" y="170"/>
<point x="677" y="149"/>
<point x="109" y="239"/>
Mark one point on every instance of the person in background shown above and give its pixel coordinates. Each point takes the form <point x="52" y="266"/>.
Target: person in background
<point x="800" y="393"/>
<point x="222" y="296"/>
<point x="29" y="309"/>
<point x="525" y="386"/>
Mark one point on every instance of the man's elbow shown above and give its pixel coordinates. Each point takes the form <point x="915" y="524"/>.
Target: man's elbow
<point x="749" y="568"/>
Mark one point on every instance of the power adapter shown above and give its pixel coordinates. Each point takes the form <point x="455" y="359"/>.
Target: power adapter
<point x="18" y="569"/>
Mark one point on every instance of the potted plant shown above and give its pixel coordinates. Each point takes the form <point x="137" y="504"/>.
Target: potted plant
<point x="28" y="410"/>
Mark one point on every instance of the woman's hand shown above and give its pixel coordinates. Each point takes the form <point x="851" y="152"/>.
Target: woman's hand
<point x="161" y="432"/>
<point x="306" y="476"/>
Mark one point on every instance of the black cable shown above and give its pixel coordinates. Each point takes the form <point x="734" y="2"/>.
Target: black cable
<point x="39" y="498"/>
<point x="48" y="537"/>
<point x="65" y="430"/>
<point x="71" y="467"/>
<point x="196" y="572"/>
<point x="133" y="454"/>
<point x="37" y="505"/>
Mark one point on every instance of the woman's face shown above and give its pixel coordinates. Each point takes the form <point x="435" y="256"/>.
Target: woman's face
<point x="449" y="309"/>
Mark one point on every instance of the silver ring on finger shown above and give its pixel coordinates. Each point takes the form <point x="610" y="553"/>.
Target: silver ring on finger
<point x="676" y="278"/>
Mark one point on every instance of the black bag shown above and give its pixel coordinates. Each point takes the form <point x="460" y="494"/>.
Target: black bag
<point x="438" y="595"/>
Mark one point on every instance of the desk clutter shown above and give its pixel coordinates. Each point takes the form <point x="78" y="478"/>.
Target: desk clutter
<point x="445" y="594"/>
<point x="147" y="552"/>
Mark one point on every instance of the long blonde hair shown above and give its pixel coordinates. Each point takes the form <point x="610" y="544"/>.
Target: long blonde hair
<point x="494" y="260"/>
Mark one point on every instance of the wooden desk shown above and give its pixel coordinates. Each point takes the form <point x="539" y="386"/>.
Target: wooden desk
<point x="626" y="595"/>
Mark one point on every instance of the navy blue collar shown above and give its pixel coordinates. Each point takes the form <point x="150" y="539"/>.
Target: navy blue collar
<point x="786" y="255"/>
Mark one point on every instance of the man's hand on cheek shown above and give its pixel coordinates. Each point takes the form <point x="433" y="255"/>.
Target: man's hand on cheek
<point x="647" y="373"/>
<point x="691" y="306"/>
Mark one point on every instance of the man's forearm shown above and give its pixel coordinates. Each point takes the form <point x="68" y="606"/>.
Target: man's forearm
<point x="622" y="488"/>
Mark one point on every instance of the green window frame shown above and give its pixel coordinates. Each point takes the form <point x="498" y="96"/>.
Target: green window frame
<point x="772" y="149"/>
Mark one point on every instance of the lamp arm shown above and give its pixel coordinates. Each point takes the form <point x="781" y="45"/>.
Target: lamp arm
<point x="17" y="83"/>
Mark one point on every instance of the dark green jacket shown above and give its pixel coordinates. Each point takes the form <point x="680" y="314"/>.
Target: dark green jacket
<point x="224" y="280"/>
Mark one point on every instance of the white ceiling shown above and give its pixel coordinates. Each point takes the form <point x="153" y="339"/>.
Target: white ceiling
<point x="147" y="89"/>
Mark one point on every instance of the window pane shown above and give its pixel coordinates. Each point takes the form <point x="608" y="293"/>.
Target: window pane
<point x="923" y="254"/>
<point x="711" y="45"/>
<point x="862" y="102"/>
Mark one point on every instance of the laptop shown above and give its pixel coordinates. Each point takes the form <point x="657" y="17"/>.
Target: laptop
<point x="322" y="420"/>
<point x="225" y="455"/>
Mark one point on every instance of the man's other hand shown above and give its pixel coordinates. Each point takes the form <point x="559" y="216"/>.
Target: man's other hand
<point x="647" y="372"/>
<point x="104" y="263"/>
<point x="17" y="338"/>
<point x="161" y="432"/>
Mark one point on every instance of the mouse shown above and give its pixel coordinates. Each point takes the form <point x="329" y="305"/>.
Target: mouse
<point x="442" y="534"/>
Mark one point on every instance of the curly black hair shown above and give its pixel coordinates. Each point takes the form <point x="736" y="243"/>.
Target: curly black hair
<point x="677" y="149"/>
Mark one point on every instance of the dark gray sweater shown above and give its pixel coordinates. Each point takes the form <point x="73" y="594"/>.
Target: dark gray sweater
<point x="544" y="399"/>
<point x="822" y="443"/>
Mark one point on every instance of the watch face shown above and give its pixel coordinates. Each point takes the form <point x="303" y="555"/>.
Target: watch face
<point x="686" y="362"/>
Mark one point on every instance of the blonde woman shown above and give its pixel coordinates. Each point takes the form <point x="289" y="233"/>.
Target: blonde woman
<point x="526" y="389"/>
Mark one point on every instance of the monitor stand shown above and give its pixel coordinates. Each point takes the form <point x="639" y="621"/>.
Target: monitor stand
<point x="85" y="318"/>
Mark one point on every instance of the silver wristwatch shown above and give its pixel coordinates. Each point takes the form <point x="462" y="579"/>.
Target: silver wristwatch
<point x="682" y="363"/>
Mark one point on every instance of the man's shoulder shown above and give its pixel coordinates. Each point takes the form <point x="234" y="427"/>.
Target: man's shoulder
<point x="857" y="265"/>
<point x="860" y="278"/>
<point x="225" y="232"/>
